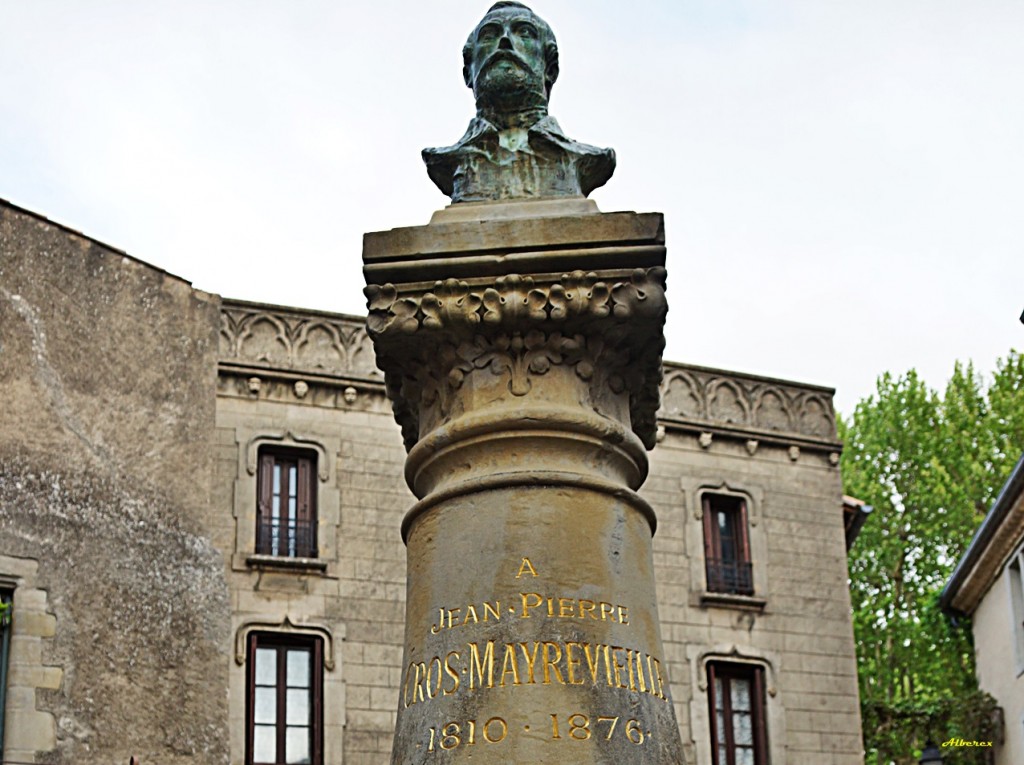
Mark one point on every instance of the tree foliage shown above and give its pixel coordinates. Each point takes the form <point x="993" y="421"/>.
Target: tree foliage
<point x="930" y="465"/>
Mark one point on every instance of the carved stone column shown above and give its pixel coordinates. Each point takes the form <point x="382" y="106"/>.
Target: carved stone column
<point x="522" y="353"/>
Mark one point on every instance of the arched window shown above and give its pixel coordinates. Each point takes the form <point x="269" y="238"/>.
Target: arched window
<point x="727" y="545"/>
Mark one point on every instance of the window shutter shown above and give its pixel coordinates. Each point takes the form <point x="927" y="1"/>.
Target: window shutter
<point x="743" y="535"/>
<point x="713" y="715"/>
<point x="760" y="730"/>
<point x="264" y="497"/>
<point x="318" y="695"/>
<point x="265" y="490"/>
<point x="306" y="511"/>
<point x="709" y="530"/>
<point x="304" y="489"/>
<point x="250" y="695"/>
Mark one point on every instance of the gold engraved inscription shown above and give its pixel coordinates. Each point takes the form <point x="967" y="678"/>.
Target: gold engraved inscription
<point x="530" y="605"/>
<point x="491" y="664"/>
<point x="451" y="618"/>
<point x="526" y="568"/>
<point x="578" y="727"/>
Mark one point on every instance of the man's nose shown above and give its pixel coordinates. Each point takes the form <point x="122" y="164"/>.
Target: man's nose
<point x="504" y="43"/>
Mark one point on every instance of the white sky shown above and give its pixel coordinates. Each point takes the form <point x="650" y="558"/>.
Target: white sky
<point x="842" y="182"/>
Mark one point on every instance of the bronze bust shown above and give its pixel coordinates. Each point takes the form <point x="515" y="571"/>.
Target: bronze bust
<point x="513" y="149"/>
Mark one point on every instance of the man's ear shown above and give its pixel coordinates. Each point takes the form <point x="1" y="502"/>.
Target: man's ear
<point x="551" y="69"/>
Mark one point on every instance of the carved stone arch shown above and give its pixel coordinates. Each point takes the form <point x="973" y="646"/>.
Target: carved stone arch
<point x="682" y="396"/>
<point x="286" y="438"/>
<point x="286" y="627"/>
<point x="259" y="345"/>
<point x="309" y="350"/>
<point x="772" y="409"/>
<point x="362" y="359"/>
<point x="736" y="654"/>
<point x="816" y="416"/>
<point x="775" y="709"/>
<point x="229" y="330"/>
<point x="727" y="402"/>
<point x="752" y="497"/>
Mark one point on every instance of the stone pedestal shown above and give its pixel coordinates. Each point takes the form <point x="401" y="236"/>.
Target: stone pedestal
<point x="522" y="353"/>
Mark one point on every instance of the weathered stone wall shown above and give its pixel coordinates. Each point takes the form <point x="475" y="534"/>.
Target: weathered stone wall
<point x="308" y="377"/>
<point x="108" y="373"/>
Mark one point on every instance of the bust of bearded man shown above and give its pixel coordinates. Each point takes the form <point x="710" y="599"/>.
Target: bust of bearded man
<point x="513" y="149"/>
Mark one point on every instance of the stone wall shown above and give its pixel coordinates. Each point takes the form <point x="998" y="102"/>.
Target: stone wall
<point x="307" y="378"/>
<point x="121" y="610"/>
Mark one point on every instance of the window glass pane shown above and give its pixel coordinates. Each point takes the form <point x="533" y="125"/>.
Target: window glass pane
<point x="297" y="706"/>
<point x="741" y="730"/>
<point x="291" y="480"/>
<point x="266" y="666"/>
<point x="264" y="744"/>
<point x="744" y="757"/>
<point x="296" y="745"/>
<point x="718" y="693"/>
<point x="740" y="695"/>
<point x="265" y="706"/>
<point x="277" y="479"/>
<point x="298" y="669"/>
<point x="275" y="507"/>
<point x="720" y="727"/>
<point x="291" y="508"/>
<point x="723" y="755"/>
<point x="727" y="536"/>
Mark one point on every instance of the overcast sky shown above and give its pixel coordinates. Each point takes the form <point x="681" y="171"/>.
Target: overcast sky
<point x="842" y="182"/>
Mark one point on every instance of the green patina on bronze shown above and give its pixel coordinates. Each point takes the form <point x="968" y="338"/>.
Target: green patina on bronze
<point x="513" y="149"/>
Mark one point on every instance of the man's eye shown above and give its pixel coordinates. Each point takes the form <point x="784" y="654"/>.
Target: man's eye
<point x="525" y="30"/>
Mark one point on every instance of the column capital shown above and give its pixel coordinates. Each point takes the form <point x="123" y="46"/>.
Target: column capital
<point x="516" y="298"/>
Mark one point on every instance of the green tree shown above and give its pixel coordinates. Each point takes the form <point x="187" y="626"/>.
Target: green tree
<point x="931" y="466"/>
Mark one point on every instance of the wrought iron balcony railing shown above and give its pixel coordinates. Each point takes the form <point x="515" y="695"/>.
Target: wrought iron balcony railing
<point x="286" y="538"/>
<point x="731" y="576"/>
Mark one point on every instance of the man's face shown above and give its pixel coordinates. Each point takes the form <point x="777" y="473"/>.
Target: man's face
<point x="508" y="59"/>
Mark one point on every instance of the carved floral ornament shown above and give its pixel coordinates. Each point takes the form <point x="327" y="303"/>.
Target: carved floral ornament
<point x="607" y="331"/>
<point x="514" y="299"/>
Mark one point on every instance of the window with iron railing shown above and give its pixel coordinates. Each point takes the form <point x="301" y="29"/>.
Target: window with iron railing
<point x="727" y="545"/>
<point x="286" y="519"/>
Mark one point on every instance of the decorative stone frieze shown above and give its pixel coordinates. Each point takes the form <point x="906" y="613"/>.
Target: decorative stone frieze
<point x="273" y="340"/>
<point x="696" y="396"/>
<point x="257" y="336"/>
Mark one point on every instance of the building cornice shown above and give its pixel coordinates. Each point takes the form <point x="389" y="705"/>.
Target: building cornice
<point x="293" y="351"/>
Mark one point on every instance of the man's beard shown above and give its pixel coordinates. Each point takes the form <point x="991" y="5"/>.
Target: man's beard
<point x="514" y="85"/>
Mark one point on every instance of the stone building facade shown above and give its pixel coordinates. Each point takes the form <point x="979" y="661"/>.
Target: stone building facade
<point x="151" y="557"/>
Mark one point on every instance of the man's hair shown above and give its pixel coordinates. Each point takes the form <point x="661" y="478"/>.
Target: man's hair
<point x="547" y="39"/>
